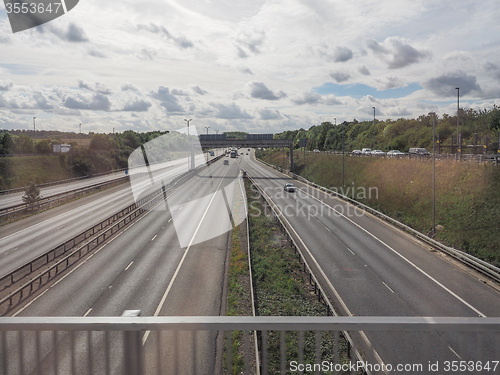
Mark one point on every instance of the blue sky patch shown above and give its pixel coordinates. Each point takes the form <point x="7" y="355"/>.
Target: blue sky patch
<point x="359" y="90"/>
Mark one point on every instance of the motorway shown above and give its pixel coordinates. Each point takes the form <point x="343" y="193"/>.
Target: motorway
<point x="24" y="240"/>
<point x="173" y="262"/>
<point x="369" y="268"/>
<point x="145" y="268"/>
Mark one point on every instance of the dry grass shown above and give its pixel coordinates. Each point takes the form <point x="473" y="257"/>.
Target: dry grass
<point x="467" y="194"/>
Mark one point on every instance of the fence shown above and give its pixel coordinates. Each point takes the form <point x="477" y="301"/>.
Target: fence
<point x="188" y="345"/>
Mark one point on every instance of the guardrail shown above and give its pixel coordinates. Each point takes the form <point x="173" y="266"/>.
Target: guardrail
<point x="479" y="265"/>
<point x="105" y="345"/>
<point x="56" y="198"/>
<point x="60" y="182"/>
<point x="318" y="290"/>
<point x="90" y="239"/>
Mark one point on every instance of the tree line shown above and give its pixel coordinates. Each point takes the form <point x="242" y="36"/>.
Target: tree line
<point x="401" y="134"/>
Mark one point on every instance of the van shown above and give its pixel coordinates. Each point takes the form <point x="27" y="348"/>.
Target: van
<point x="418" y="151"/>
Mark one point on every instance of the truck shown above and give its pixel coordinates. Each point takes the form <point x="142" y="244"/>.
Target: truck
<point x="234" y="153"/>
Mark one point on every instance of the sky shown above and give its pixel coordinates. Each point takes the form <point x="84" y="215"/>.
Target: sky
<point x="260" y="66"/>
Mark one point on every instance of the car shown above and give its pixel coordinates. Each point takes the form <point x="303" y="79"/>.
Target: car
<point x="247" y="153"/>
<point x="289" y="188"/>
<point x="356" y="152"/>
<point x="418" y="151"/>
<point x="316" y="150"/>
<point x="226" y="162"/>
<point x="395" y="154"/>
<point x="366" y="151"/>
<point x="378" y="153"/>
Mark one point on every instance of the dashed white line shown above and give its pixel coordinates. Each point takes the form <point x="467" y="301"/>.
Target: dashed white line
<point x="154" y="237"/>
<point x="454" y="352"/>
<point x="129" y="265"/>
<point x="88" y="312"/>
<point x="352" y="252"/>
<point x="388" y="287"/>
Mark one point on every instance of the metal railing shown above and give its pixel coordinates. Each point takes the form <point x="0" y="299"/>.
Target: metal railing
<point x="46" y="202"/>
<point x="479" y="265"/>
<point x="192" y="345"/>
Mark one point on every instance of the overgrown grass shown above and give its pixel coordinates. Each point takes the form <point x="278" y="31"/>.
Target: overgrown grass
<point x="282" y="289"/>
<point x="467" y="194"/>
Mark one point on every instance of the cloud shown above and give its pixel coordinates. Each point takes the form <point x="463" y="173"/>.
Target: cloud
<point x="199" y="90"/>
<point x="364" y="70"/>
<point x="181" y="41"/>
<point x="339" y="54"/>
<point x="260" y="91"/>
<point x="137" y="106"/>
<point x="396" y="52"/>
<point x="168" y="100"/>
<point x="75" y="34"/>
<point x="230" y="112"/>
<point x="129" y="87"/>
<point x="269" y="114"/>
<point x="250" y="42"/>
<point x="493" y="70"/>
<point x="97" y="102"/>
<point x="340" y="76"/>
<point x="97" y="87"/>
<point x="445" y="85"/>
<point x="5" y="86"/>
<point x="308" y="98"/>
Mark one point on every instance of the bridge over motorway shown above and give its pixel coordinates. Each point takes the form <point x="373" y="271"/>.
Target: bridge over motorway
<point x="252" y="140"/>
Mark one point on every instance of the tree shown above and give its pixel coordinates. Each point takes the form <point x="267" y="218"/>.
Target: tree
<point x="6" y="144"/>
<point x="31" y="194"/>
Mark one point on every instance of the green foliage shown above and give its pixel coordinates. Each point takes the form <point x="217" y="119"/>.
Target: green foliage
<point x="399" y="134"/>
<point x="31" y="193"/>
<point x="101" y="142"/>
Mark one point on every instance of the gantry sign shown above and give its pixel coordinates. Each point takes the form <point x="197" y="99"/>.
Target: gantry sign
<point x="251" y="141"/>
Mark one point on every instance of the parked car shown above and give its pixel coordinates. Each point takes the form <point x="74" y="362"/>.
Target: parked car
<point x="378" y="153"/>
<point x="366" y="151"/>
<point x="289" y="188"/>
<point x="356" y="152"/>
<point x="417" y="151"/>
<point x="395" y="154"/>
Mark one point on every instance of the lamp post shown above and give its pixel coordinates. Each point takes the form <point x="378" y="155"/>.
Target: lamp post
<point x="373" y="127"/>
<point x="207" y="127"/>
<point x="433" y="174"/>
<point x="458" y="123"/>
<point x="187" y="120"/>
<point x="80" y="128"/>
<point x="34" y="127"/>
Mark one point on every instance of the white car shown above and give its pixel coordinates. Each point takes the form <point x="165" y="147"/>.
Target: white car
<point x="366" y="151"/>
<point x="378" y="153"/>
<point x="395" y="153"/>
<point x="289" y="188"/>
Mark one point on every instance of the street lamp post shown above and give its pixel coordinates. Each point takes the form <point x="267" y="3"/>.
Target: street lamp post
<point x="373" y="127"/>
<point x="80" y="128"/>
<point x="34" y="127"/>
<point x="458" y="123"/>
<point x="433" y="174"/>
<point x="187" y="120"/>
<point x="207" y="127"/>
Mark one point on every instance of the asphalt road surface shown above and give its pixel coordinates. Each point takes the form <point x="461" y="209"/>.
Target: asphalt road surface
<point x="371" y="269"/>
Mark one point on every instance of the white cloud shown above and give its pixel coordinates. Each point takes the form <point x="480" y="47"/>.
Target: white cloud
<point x="103" y="63"/>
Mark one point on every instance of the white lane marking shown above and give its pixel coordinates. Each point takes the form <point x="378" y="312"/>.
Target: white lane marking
<point x="88" y="312"/>
<point x="454" y="352"/>
<point x="328" y="229"/>
<point x="169" y="220"/>
<point x="169" y="287"/>
<point x="126" y="269"/>
<point x="388" y="287"/>
<point x="332" y="288"/>
<point x="154" y="237"/>
<point x="86" y="259"/>
<point x="352" y="252"/>
<point x="402" y="257"/>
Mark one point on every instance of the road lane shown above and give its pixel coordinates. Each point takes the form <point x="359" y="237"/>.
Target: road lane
<point x="377" y="270"/>
<point x="134" y="270"/>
